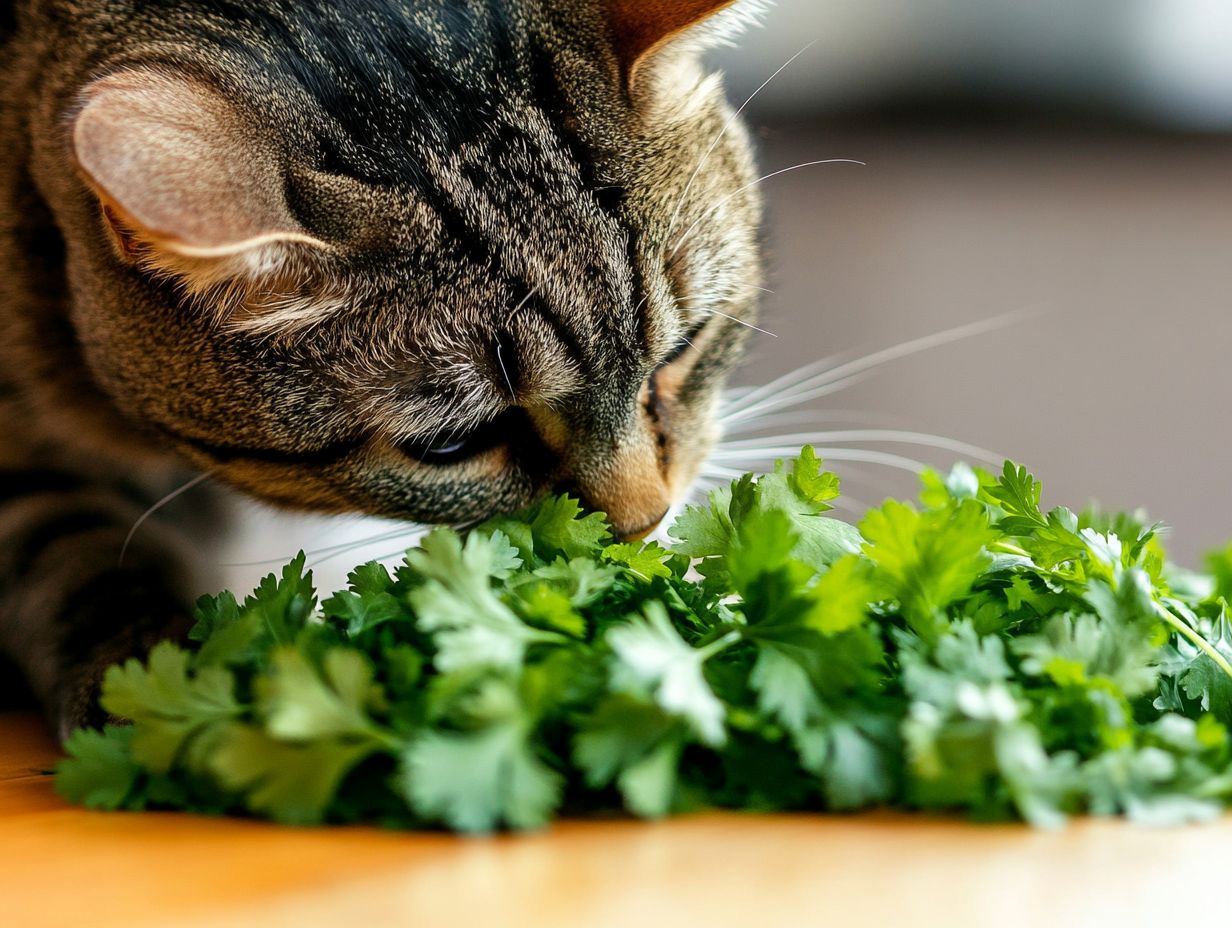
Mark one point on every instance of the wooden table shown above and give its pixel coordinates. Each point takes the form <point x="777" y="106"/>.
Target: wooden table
<point x="61" y="865"/>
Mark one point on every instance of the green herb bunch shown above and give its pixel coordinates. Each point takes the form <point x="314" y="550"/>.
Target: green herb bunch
<point x="973" y="654"/>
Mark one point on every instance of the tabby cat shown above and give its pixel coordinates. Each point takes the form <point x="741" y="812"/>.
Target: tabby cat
<point x="426" y="259"/>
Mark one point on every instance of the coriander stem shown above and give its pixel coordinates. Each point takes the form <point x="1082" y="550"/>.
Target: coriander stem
<point x="710" y="650"/>
<point x="387" y="740"/>
<point x="1184" y="629"/>
<point x="1006" y="548"/>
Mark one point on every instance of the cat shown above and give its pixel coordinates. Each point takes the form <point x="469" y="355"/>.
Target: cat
<point x="423" y="259"/>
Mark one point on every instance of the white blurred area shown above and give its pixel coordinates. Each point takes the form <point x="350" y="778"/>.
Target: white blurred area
<point x="1166" y="61"/>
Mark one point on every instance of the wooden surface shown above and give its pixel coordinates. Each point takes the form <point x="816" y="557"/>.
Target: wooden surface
<point x="65" y="866"/>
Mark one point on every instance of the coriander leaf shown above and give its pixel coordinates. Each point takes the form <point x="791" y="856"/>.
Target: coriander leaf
<point x="1071" y="650"/>
<point x="764" y="543"/>
<point x="1018" y="493"/>
<point x="636" y="744"/>
<point x="542" y="605"/>
<point x="368" y="602"/>
<point x="649" y="785"/>
<point x="292" y="783"/>
<point x="705" y="531"/>
<point x="551" y="528"/>
<point x="1219" y="566"/>
<point x="470" y="625"/>
<point x="1205" y="681"/>
<point x="475" y="781"/>
<point x="844" y="594"/>
<point x="809" y="483"/>
<point x="168" y="705"/>
<point x="273" y="614"/>
<point x="784" y="689"/>
<point x="645" y="561"/>
<point x="799" y="493"/>
<point x="362" y="612"/>
<point x="300" y="703"/>
<point x="927" y="560"/>
<point x="652" y="658"/>
<point x="1147" y="784"/>
<point x="284" y="603"/>
<point x="212" y="614"/>
<point x="581" y="579"/>
<point x="853" y="761"/>
<point x="99" y="771"/>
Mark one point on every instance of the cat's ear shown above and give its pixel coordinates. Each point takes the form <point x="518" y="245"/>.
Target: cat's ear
<point x="184" y="183"/>
<point x="640" y="29"/>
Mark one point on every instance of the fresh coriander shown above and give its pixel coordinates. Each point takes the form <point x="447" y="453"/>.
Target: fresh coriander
<point x="975" y="654"/>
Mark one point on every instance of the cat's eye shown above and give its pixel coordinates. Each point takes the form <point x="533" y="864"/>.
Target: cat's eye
<point x="450" y="451"/>
<point x="456" y="448"/>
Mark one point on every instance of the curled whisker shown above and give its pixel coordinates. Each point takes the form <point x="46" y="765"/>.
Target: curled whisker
<point x="723" y="201"/>
<point x="526" y="299"/>
<point x="141" y="519"/>
<point x="723" y="132"/>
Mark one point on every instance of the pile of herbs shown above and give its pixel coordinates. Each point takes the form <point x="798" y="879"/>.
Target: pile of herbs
<point x="973" y="654"/>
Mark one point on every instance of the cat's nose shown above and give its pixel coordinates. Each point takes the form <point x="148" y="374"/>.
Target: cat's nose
<point x="622" y="531"/>
<point x="638" y="534"/>
<point x="635" y="501"/>
<point x="618" y="472"/>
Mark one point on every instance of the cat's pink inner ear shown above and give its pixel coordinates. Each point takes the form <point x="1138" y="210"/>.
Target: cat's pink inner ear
<point x="173" y="163"/>
<point x="640" y="27"/>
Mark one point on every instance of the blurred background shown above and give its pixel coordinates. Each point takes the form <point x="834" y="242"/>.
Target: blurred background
<point x="1068" y="159"/>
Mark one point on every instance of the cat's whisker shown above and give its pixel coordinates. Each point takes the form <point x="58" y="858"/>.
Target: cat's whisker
<point x="141" y="520"/>
<point x="723" y="474"/>
<point x="831" y="454"/>
<point x="688" y="187"/>
<point x="802" y="417"/>
<point x="410" y="536"/>
<point x="522" y="302"/>
<point x="783" y="391"/>
<point x="743" y="322"/>
<point x="723" y="201"/>
<point x="314" y="552"/>
<point x="788" y="385"/>
<point x="726" y="295"/>
<point x="500" y="360"/>
<point x="796" y="396"/>
<point x="889" y="436"/>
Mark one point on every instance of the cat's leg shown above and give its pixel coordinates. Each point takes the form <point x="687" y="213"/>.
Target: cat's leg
<point x="69" y="606"/>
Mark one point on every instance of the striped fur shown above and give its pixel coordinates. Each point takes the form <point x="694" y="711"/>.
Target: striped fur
<point x="479" y="238"/>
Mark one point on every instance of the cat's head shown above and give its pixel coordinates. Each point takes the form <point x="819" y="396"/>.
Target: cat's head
<point x="425" y="264"/>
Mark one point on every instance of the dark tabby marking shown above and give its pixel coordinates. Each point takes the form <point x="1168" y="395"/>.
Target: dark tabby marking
<point x="419" y="258"/>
